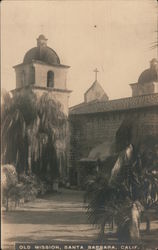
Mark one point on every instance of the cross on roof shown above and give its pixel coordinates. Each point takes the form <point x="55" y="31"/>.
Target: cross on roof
<point x="96" y="72"/>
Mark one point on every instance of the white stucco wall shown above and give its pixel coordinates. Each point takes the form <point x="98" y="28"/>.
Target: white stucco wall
<point x="144" y="88"/>
<point x="95" y="92"/>
<point x="29" y="77"/>
<point x="36" y="74"/>
<point x="41" y="71"/>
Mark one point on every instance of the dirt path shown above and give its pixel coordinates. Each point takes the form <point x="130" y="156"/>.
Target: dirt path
<point x="56" y="217"/>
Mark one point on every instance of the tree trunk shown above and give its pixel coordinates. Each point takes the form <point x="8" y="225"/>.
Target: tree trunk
<point x="147" y="224"/>
<point x="112" y="224"/>
<point x="101" y="233"/>
<point x="29" y="159"/>
<point x="128" y="231"/>
<point x="134" y="224"/>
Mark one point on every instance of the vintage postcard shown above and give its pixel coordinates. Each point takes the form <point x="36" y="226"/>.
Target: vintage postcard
<point x="79" y="121"/>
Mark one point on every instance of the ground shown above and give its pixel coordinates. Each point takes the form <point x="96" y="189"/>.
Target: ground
<point x="57" y="217"/>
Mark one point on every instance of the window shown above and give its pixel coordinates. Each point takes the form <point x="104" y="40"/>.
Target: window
<point x="50" y="79"/>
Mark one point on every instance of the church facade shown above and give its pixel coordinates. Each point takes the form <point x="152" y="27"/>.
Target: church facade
<point x="94" y="123"/>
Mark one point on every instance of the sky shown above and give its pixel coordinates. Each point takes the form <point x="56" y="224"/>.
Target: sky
<point x="113" y="35"/>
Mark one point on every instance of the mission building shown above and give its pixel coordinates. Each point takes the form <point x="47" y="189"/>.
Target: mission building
<point x="93" y="123"/>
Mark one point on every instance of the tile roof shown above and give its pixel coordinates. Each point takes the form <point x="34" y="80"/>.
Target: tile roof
<point x="115" y="105"/>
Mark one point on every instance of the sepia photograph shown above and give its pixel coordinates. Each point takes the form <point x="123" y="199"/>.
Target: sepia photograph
<point x="79" y="124"/>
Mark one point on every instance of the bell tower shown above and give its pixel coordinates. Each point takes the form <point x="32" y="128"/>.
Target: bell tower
<point x="41" y="69"/>
<point x="147" y="81"/>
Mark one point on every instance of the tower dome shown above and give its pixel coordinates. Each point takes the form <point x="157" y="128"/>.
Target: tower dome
<point x="42" y="53"/>
<point x="151" y="74"/>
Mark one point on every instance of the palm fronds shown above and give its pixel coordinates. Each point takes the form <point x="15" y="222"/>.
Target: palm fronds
<point x="31" y="131"/>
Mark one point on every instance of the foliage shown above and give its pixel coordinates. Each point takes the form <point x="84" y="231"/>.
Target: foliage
<point x="26" y="188"/>
<point x="49" y="127"/>
<point x="102" y="198"/>
<point x="144" y="165"/>
<point x="31" y="130"/>
<point x="130" y="185"/>
<point x="9" y="176"/>
<point x="15" y="118"/>
<point x="9" y="182"/>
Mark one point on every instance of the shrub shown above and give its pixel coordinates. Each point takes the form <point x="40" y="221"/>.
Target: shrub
<point x="9" y="183"/>
<point x="31" y="186"/>
<point x="26" y="188"/>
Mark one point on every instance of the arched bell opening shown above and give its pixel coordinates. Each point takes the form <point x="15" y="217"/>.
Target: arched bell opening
<point x="50" y="79"/>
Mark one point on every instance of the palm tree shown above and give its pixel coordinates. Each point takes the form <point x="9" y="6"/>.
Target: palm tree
<point x="31" y="129"/>
<point x="144" y="165"/>
<point x="44" y="134"/>
<point x="101" y="198"/>
<point x="130" y="186"/>
<point x="15" y="119"/>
